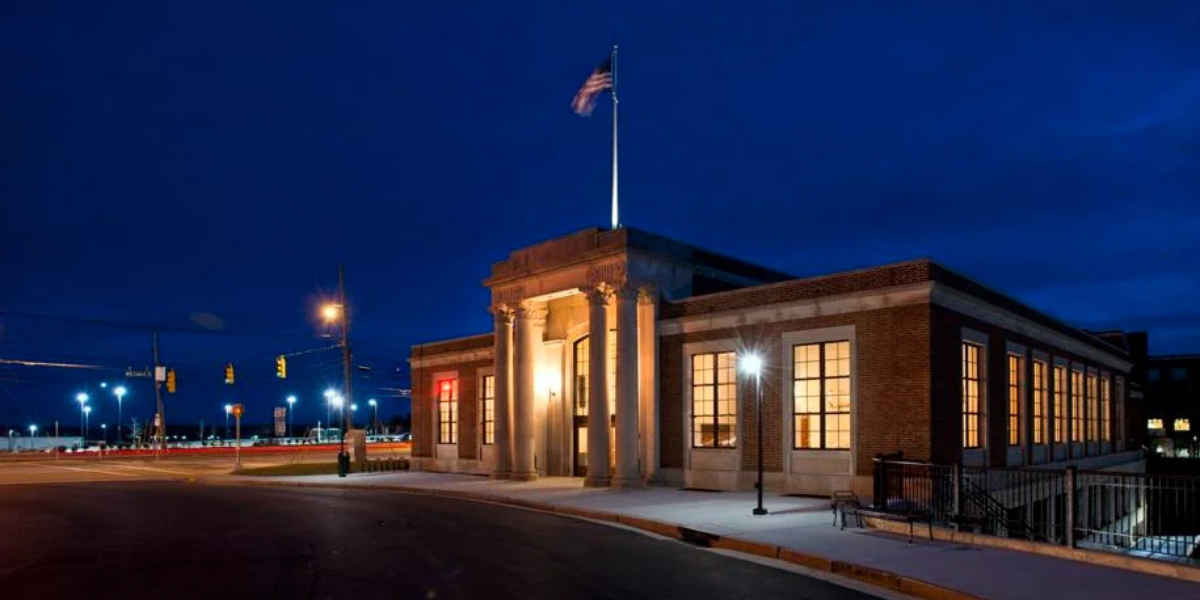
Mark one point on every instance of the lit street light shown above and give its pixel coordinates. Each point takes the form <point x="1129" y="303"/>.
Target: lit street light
<point x="119" y="392"/>
<point x="228" y="409"/>
<point x="331" y="312"/>
<point x="330" y="394"/>
<point x="82" y="399"/>
<point x="104" y="429"/>
<point x="375" y="419"/>
<point x="752" y="364"/>
<point x="87" y="411"/>
<point x="291" y="400"/>
<point x="32" y="436"/>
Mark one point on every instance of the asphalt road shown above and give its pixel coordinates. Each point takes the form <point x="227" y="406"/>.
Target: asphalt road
<point x="19" y="470"/>
<point x="176" y="540"/>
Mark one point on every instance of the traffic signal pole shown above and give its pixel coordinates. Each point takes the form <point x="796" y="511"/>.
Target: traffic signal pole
<point x="162" y="417"/>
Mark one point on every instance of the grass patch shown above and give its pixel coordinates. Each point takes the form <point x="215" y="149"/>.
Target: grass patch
<point x="321" y="468"/>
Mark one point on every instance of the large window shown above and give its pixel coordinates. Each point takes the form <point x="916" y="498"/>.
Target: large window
<point x="1040" y="411"/>
<point x="1076" y="406"/>
<point x="1105" y="408"/>
<point x="1093" y="404"/>
<point x="972" y="394"/>
<point x="1182" y="425"/>
<point x="1060" y="404"/>
<point x="821" y="389"/>
<point x="447" y="397"/>
<point x="1154" y="423"/>
<point x="582" y="360"/>
<point x="488" y="400"/>
<point x="714" y="400"/>
<point x="1015" y="379"/>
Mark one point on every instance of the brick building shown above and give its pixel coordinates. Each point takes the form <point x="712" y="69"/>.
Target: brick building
<point x="909" y="357"/>
<point x="1173" y="404"/>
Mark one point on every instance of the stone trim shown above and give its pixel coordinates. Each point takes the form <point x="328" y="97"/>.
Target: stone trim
<point x="453" y="358"/>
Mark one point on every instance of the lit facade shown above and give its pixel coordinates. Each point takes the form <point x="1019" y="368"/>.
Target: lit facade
<point x="908" y="358"/>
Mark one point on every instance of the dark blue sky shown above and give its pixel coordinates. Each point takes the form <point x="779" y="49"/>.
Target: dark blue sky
<point x="166" y="159"/>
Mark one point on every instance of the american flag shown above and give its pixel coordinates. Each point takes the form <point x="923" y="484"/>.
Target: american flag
<point x="601" y="79"/>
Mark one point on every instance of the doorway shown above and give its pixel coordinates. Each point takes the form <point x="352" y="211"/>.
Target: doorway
<point x="581" y="363"/>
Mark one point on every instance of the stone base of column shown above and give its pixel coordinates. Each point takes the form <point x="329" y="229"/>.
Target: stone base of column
<point x="527" y="476"/>
<point x="500" y="475"/>
<point x="630" y="482"/>
<point x="590" y="481"/>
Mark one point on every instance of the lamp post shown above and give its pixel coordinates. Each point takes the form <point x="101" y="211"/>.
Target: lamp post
<point x="87" y="411"/>
<point x="119" y="392"/>
<point x="752" y="365"/>
<point x="228" y="409"/>
<point x="82" y="399"/>
<point x="32" y="436"/>
<point x="291" y="400"/>
<point x="329" y="396"/>
<point x="375" y="418"/>
<point x="104" y="429"/>
<point x="340" y="312"/>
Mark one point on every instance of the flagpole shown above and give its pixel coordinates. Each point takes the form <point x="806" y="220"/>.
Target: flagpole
<point x="616" y="221"/>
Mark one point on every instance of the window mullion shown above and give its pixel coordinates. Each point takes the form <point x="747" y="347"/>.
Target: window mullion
<point x="821" y="393"/>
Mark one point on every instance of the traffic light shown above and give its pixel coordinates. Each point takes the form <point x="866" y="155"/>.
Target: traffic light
<point x="228" y="373"/>
<point x="281" y="367"/>
<point x="170" y="381"/>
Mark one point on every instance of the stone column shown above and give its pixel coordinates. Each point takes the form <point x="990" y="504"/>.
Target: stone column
<point x="503" y="450"/>
<point x="647" y="329"/>
<point x="530" y="321"/>
<point x="598" y="420"/>
<point x="628" y="472"/>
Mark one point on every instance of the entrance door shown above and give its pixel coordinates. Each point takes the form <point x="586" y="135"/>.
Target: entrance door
<point x="580" y="411"/>
<point x="581" y="405"/>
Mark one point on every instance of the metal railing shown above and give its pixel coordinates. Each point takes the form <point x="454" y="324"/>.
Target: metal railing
<point x="1156" y="516"/>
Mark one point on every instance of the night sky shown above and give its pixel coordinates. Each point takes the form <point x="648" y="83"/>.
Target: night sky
<point x="203" y="167"/>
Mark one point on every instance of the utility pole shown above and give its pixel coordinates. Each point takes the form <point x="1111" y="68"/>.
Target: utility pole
<point x="347" y="419"/>
<point x="162" y="418"/>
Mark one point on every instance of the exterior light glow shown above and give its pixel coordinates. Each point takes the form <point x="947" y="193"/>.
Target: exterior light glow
<point x="751" y="364"/>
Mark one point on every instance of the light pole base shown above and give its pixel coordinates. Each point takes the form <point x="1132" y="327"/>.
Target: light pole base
<point x="759" y="511"/>
<point x="343" y="464"/>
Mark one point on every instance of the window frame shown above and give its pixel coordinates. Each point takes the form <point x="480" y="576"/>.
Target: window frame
<point x="1092" y="411"/>
<point x="487" y="407"/>
<point x="979" y="382"/>
<point x="1040" y="387"/>
<point x="1016" y="379"/>
<point x="1061" y="402"/>
<point x="717" y="384"/>
<point x="447" y="410"/>
<point x="1105" y="414"/>
<point x="1078" y="431"/>
<point x="823" y="378"/>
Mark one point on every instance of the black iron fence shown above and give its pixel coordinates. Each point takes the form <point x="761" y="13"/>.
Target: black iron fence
<point x="1156" y="516"/>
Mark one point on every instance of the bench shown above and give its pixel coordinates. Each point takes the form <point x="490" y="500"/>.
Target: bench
<point x="846" y="503"/>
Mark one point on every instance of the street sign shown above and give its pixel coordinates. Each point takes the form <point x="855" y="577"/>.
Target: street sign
<point x="237" y="410"/>
<point x="160" y="374"/>
<point x="131" y="374"/>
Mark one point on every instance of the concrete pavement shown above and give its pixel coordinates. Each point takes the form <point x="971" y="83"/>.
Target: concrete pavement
<point x="800" y="525"/>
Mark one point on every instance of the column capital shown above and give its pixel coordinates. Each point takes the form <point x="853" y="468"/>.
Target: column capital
<point x="503" y="313"/>
<point x="533" y="314"/>
<point x="597" y="295"/>
<point x="648" y="294"/>
<point x="625" y="292"/>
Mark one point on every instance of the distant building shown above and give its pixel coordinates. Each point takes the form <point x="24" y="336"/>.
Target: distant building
<point x="1173" y="405"/>
<point x="908" y="357"/>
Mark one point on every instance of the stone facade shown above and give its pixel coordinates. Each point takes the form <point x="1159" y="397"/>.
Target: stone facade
<point x="658" y="303"/>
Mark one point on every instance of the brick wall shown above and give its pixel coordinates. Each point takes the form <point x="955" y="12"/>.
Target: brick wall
<point x="947" y="383"/>
<point x="424" y="394"/>
<point x="893" y="376"/>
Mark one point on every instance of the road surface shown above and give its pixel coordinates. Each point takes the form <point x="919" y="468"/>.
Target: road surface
<point x="161" y="539"/>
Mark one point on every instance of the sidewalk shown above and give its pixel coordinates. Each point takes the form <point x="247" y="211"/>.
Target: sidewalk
<point x="801" y="525"/>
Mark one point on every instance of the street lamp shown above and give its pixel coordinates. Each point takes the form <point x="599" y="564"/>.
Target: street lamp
<point x="32" y="436"/>
<point x="104" y="429"/>
<point x="82" y="399"/>
<point x="291" y="400"/>
<point x="87" y="411"/>
<point x="375" y="419"/>
<point x="752" y="364"/>
<point x="119" y="392"/>
<point x="228" y="409"/>
<point x="330" y="394"/>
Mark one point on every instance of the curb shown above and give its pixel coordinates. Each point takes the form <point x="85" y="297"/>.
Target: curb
<point x="870" y="575"/>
